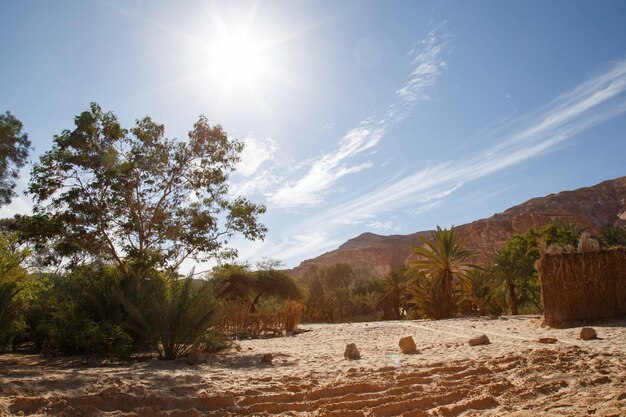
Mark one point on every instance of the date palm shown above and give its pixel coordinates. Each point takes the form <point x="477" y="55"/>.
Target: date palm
<point x="479" y="289"/>
<point x="441" y="260"/>
<point x="395" y="286"/>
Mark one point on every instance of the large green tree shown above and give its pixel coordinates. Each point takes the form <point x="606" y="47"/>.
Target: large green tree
<point x="139" y="199"/>
<point x="514" y="263"/>
<point x="14" y="145"/>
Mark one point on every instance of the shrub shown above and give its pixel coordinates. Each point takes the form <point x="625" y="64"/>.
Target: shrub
<point x="172" y="314"/>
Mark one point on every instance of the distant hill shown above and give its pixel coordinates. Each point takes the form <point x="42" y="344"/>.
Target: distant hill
<point x="590" y="208"/>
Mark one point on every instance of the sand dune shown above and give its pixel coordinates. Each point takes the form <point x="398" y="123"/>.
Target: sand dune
<point x="514" y="375"/>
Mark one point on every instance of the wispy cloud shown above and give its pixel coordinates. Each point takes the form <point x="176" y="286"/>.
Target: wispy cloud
<point x="261" y="168"/>
<point x="591" y="103"/>
<point x="323" y="173"/>
<point x="588" y="105"/>
<point x="382" y="226"/>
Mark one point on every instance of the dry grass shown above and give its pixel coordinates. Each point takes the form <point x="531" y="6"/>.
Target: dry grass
<point x="237" y="320"/>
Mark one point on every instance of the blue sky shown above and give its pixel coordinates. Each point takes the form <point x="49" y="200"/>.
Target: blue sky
<point x="387" y="117"/>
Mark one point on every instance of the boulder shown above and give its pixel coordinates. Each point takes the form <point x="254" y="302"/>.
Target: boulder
<point x="546" y="340"/>
<point x="351" y="352"/>
<point x="407" y="344"/>
<point x="479" y="340"/>
<point x="267" y="358"/>
<point x="588" y="333"/>
<point x="195" y="357"/>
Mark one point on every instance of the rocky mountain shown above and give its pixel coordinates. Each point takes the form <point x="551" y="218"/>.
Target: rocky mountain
<point x="589" y="208"/>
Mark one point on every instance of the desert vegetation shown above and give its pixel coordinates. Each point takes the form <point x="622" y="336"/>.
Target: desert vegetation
<point x="96" y="269"/>
<point x="440" y="280"/>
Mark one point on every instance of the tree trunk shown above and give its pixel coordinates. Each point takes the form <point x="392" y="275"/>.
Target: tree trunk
<point x="396" y="306"/>
<point x="512" y="298"/>
<point x="448" y="296"/>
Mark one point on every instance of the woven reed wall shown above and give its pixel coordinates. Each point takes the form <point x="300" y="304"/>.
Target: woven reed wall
<point x="580" y="286"/>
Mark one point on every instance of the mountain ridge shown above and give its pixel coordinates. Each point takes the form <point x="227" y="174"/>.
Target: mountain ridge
<point x="590" y="208"/>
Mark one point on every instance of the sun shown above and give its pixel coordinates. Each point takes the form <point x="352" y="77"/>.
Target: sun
<point x="237" y="60"/>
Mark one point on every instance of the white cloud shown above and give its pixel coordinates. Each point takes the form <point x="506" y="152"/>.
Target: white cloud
<point x="324" y="172"/>
<point x="18" y="205"/>
<point x="382" y="226"/>
<point x="312" y="188"/>
<point x="256" y="152"/>
<point x="261" y="168"/>
<point x="589" y="104"/>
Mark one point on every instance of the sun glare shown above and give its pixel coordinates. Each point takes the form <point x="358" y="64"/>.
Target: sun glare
<point x="237" y="61"/>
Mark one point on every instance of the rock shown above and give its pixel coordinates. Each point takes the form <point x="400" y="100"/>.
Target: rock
<point x="407" y="344"/>
<point x="351" y="352"/>
<point x="267" y="358"/>
<point x="493" y="317"/>
<point x="588" y="333"/>
<point x="479" y="340"/>
<point x="195" y="357"/>
<point x="547" y="340"/>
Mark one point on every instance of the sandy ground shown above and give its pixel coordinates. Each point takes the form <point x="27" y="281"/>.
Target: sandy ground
<point x="514" y="375"/>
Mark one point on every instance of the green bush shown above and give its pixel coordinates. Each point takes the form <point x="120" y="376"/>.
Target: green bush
<point x="172" y="314"/>
<point x="212" y="342"/>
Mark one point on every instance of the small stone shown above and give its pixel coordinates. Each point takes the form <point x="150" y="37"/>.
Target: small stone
<point x="351" y="352"/>
<point x="547" y="340"/>
<point x="588" y="333"/>
<point x="267" y="358"/>
<point x="195" y="357"/>
<point x="479" y="340"/>
<point x="407" y="344"/>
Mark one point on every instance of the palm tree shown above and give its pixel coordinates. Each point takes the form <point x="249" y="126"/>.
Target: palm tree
<point x="479" y="286"/>
<point x="614" y="236"/>
<point x="395" y="286"/>
<point x="371" y="300"/>
<point x="172" y="314"/>
<point x="441" y="260"/>
<point x="357" y="300"/>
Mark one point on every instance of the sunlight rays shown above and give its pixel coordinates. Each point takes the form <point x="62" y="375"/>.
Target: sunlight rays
<point x="232" y="57"/>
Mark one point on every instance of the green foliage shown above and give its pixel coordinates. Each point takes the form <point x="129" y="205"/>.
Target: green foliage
<point x="337" y="293"/>
<point x="65" y="332"/>
<point x="171" y="314"/>
<point x="479" y="291"/>
<point x="8" y="291"/>
<point x="238" y="282"/>
<point x="78" y="313"/>
<point x="124" y="195"/>
<point x="614" y="236"/>
<point x="514" y="264"/>
<point x="13" y="291"/>
<point x="395" y="287"/>
<point x="14" y="145"/>
<point x="211" y="342"/>
<point x="439" y="264"/>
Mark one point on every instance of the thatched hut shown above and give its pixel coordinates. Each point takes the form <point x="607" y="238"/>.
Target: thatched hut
<point x="583" y="286"/>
